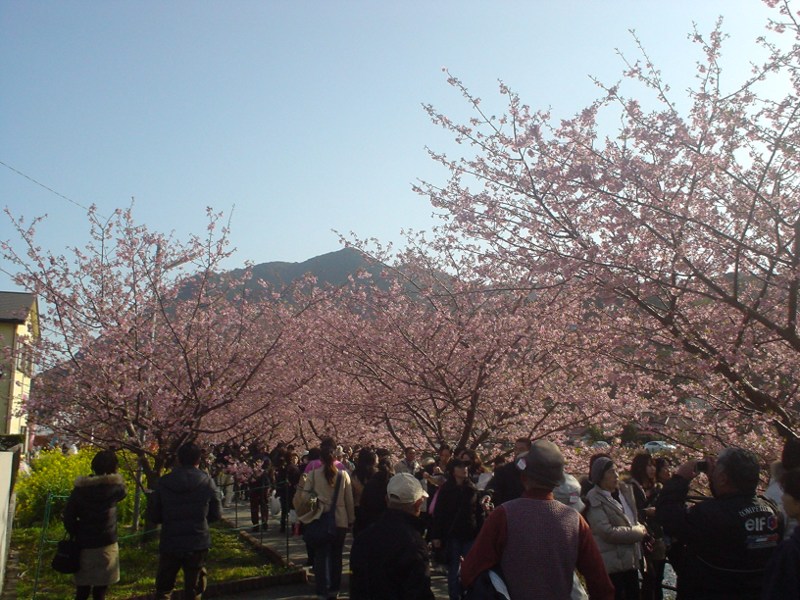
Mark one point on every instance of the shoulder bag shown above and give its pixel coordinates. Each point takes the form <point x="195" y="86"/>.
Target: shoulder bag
<point x="68" y="556"/>
<point x="322" y="531"/>
<point x="306" y="503"/>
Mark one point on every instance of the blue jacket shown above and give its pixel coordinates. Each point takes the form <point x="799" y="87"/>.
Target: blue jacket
<point x="184" y="502"/>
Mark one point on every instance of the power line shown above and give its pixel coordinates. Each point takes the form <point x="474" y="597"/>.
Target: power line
<point x="40" y="184"/>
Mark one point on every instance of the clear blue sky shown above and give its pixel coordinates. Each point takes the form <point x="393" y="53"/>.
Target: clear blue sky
<point x="304" y="115"/>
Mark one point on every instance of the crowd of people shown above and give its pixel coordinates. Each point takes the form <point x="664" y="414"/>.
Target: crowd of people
<point x="525" y="525"/>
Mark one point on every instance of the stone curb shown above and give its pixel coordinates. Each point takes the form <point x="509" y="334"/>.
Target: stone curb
<point x="265" y="551"/>
<point x="251" y="583"/>
<point x="240" y="585"/>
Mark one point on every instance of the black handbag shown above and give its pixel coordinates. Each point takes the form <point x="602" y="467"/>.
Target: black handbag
<point x="322" y="530"/>
<point x="68" y="556"/>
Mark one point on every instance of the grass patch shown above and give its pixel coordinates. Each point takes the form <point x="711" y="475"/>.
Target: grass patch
<point x="229" y="560"/>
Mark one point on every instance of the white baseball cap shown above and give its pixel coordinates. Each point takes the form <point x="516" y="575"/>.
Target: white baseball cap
<point x="405" y="489"/>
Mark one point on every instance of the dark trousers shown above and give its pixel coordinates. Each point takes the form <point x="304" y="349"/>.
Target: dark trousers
<point x="97" y="592"/>
<point x="194" y="574"/>
<point x="328" y="565"/>
<point x="652" y="580"/>
<point x="626" y="585"/>
<point x="455" y="550"/>
<point x="259" y="503"/>
<point x="286" y="497"/>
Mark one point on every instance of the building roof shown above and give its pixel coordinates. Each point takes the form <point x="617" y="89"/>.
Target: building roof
<point x="15" y="306"/>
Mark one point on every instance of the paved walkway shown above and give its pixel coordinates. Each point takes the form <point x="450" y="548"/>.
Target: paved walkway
<point x="293" y="550"/>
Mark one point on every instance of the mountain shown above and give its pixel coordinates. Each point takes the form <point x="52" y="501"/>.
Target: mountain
<point x="333" y="268"/>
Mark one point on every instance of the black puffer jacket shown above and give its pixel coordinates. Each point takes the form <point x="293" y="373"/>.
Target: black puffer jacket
<point x="184" y="502"/>
<point x="91" y="512"/>
<point x="457" y="514"/>
<point x="373" y="500"/>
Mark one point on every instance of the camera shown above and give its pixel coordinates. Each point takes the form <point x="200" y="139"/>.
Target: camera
<point x="701" y="466"/>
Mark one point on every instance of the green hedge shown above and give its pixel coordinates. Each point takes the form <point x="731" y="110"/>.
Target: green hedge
<point x="53" y="472"/>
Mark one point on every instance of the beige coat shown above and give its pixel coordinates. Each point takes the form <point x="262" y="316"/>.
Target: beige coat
<point x="316" y="483"/>
<point x="617" y="538"/>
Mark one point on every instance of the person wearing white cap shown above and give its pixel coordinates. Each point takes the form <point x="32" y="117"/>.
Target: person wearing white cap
<point x="568" y="492"/>
<point x="389" y="560"/>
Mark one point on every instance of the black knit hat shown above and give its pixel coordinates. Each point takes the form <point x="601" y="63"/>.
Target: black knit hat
<point x="599" y="468"/>
<point x="543" y="464"/>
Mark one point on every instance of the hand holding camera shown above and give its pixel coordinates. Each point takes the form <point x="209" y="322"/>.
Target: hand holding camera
<point x="690" y="469"/>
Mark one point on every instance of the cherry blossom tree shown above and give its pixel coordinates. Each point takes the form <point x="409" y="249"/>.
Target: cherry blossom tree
<point x="146" y="346"/>
<point x="431" y="354"/>
<point x="684" y="223"/>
